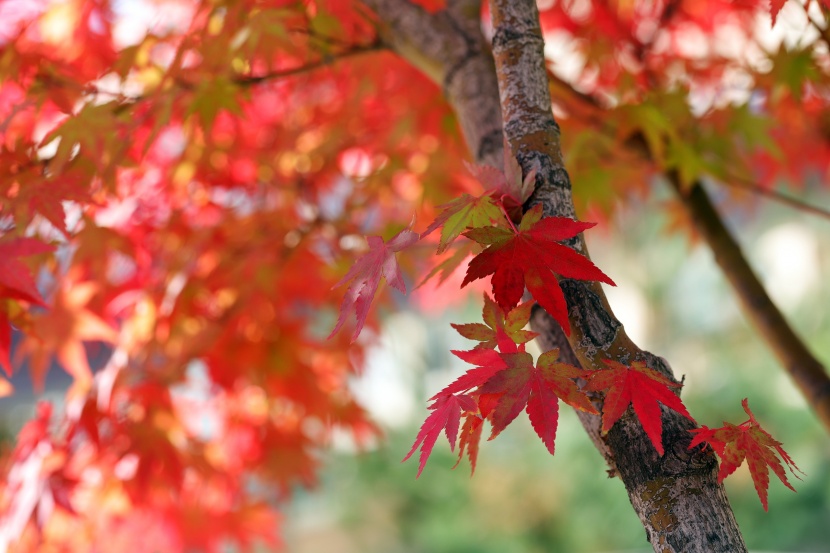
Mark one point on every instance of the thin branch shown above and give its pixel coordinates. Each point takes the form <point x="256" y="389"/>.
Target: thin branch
<point x="786" y="199"/>
<point x="323" y="39"/>
<point x="356" y="50"/>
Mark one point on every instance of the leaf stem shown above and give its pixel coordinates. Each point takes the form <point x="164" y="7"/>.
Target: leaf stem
<point x="354" y="50"/>
<point x="507" y="216"/>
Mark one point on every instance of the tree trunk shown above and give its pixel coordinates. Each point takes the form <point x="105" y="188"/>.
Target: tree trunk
<point x="677" y="496"/>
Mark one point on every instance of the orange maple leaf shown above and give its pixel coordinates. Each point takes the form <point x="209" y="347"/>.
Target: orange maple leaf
<point x="61" y="331"/>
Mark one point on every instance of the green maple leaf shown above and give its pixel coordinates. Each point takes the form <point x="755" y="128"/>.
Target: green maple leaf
<point x="212" y="96"/>
<point x="465" y="213"/>
<point x="498" y="323"/>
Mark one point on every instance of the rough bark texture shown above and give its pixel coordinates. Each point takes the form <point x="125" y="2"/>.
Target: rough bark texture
<point x="677" y="497"/>
<point x="551" y="336"/>
<point x="806" y="371"/>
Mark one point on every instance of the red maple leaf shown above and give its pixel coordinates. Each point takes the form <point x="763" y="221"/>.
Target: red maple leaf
<point x="498" y="325"/>
<point x="5" y="341"/>
<point x="532" y="256"/>
<point x="641" y="387"/>
<point x="6" y="388"/>
<point x="365" y="276"/>
<point x="47" y="197"/>
<point x="488" y="362"/>
<point x="535" y="389"/>
<point x="747" y="441"/>
<point x="16" y="280"/>
<point x="446" y="415"/>
<point x="34" y="431"/>
<point x="470" y="438"/>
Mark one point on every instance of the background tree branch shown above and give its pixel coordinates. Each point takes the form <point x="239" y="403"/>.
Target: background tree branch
<point x="448" y="47"/>
<point x="807" y="372"/>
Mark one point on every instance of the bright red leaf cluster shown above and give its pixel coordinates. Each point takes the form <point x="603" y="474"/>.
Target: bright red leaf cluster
<point x="503" y="384"/>
<point x="531" y="256"/>
<point x="747" y="441"/>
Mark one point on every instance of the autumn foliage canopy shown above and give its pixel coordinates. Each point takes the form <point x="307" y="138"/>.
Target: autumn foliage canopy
<point x="221" y="196"/>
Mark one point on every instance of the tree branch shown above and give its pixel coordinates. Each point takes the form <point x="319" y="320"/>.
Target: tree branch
<point x="353" y="50"/>
<point x="449" y="48"/>
<point x="774" y="195"/>
<point x="636" y="142"/>
<point x="806" y="371"/>
<point x="552" y="336"/>
<point x="658" y="487"/>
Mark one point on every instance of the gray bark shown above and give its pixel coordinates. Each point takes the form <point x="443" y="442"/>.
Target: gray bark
<point x="449" y="48"/>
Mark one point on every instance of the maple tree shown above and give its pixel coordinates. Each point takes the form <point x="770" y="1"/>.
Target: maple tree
<point x="188" y="185"/>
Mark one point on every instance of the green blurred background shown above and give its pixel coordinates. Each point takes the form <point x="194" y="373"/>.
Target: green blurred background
<point x="674" y="302"/>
